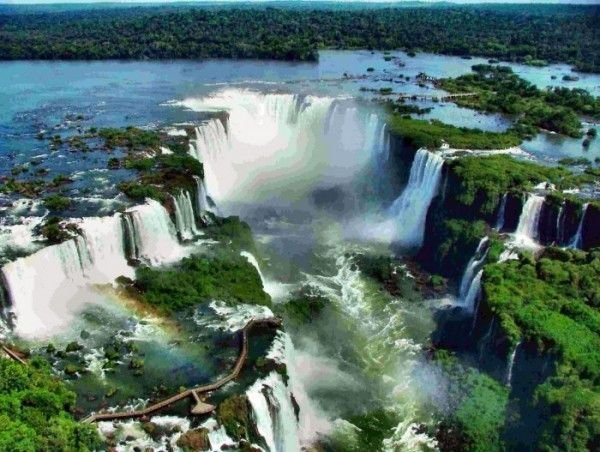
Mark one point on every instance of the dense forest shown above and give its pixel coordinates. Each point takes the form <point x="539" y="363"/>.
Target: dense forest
<point x="517" y="33"/>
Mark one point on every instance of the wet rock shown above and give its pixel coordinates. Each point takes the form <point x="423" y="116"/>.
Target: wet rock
<point x="194" y="440"/>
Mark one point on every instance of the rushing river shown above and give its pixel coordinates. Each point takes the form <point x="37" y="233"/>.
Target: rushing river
<point x="298" y="160"/>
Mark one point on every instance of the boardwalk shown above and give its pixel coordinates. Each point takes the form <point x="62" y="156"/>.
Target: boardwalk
<point x="443" y="98"/>
<point x="12" y="354"/>
<point x="200" y="407"/>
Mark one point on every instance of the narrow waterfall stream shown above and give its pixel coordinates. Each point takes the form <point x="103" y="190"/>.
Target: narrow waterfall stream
<point x="576" y="241"/>
<point x="527" y="229"/>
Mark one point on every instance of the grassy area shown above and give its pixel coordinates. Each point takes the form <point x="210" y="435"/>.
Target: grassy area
<point x="431" y="135"/>
<point x="227" y="277"/>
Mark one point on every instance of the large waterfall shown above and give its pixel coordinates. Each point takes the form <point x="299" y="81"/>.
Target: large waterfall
<point x="153" y="233"/>
<point x="269" y="146"/>
<point x="527" y="229"/>
<point x="185" y="219"/>
<point x="276" y="421"/>
<point x="471" y="281"/>
<point x="44" y="288"/>
<point x="410" y="209"/>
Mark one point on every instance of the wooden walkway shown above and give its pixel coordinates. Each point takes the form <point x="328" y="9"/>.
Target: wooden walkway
<point x="12" y="354"/>
<point x="442" y="98"/>
<point x="201" y="407"/>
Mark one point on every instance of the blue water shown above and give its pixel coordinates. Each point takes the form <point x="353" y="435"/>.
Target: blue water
<point x="39" y="96"/>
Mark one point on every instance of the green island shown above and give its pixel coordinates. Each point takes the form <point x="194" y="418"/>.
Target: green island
<point x="432" y="134"/>
<point x="531" y="34"/>
<point x="499" y="90"/>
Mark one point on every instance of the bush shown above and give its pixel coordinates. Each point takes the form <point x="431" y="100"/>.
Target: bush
<point x="57" y="202"/>
<point x="35" y="411"/>
<point x="227" y="277"/>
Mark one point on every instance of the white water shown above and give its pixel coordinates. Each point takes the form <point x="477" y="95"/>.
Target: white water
<point x="202" y="196"/>
<point x="274" y="413"/>
<point x="105" y="244"/>
<point x="471" y="281"/>
<point x="410" y="209"/>
<point x="390" y="350"/>
<point x="250" y="258"/>
<point x="560" y="221"/>
<point x="576" y="241"/>
<point x="45" y="288"/>
<point x="527" y="229"/>
<point x="154" y="234"/>
<point x="275" y="145"/>
<point x="511" y="363"/>
<point x="501" y="213"/>
<point x="185" y="219"/>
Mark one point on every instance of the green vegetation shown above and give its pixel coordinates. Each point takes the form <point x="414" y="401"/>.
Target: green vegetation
<point x="55" y="230"/>
<point x="500" y="90"/>
<point x="388" y="273"/>
<point x="480" y="182"/>
<point x="431" y="134"/>
<point x="131" y="138"/>
<point x="57" y="202"/>
<point x="553" y="302"/>
<point x="234" y="414"/>
<point x="478" y="406"/>
<point x="35" y="411"/>
<point x="523" y="33"/>
<point x="227" y="276"/>
<point x="305" y="306"/>
<point x="232" y="232"/>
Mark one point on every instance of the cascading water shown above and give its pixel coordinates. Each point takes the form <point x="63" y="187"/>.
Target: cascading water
<point x="501" y="213"/>
<point x="185" y="220"/>
<point x="105" y="245"/>
<point x="510" y="365"/>
<point x="270" y="139"/>
<point x="560" y="224"/>
<point x="271" y="402"/>
<point x="471" y="280"/>
<point x="527" y="229"/>
<point x="250" y="257"/>
<point x="410" y="209"/>
<point x="154" y="235"/>
<point x="576" y="241"/>
<point x="44" y="288"/>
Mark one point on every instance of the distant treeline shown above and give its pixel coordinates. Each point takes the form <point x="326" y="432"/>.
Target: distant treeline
<point x="518" y="33"/>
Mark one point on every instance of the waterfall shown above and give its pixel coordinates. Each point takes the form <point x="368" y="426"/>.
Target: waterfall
<point x="560" y="224"/>
<point x="274" y="414"/>
<point x="485" y="339"/>
<point x="471" y="280"/>
<point x="527" y="229"/>
<point x="154" y="235"/>
<point x="510" y="365"/>
<point x="576" y="241"/>
<point x="501" y="213"/>
<point x="268" y="139"/>
<point x="185" y="220"/>
<point x="105" y="248"/>
<point x="410" y="208"/>
<point x="250" y="258"/>
<point x="202" y="198"/>
<point x="472" y="265"/>
<point x="44" y="288"/>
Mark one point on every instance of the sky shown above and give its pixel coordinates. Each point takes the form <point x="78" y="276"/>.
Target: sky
<point x="592" y="2"/>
